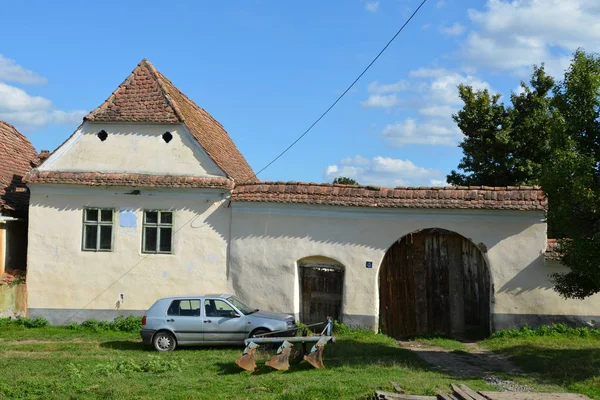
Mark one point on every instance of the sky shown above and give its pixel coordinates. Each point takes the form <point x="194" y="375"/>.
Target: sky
<point x="267" y="69"/>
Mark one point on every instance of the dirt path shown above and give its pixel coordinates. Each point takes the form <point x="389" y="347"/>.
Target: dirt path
<point x="475" y="362"/>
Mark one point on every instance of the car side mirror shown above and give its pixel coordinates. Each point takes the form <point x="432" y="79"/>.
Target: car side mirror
<point x="233" y="314"/>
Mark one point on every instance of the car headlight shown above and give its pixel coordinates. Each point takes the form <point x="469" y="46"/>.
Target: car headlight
<point x="290" y="324"/>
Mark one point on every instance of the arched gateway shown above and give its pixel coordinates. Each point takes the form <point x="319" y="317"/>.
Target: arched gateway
<point x="434" y="281"/>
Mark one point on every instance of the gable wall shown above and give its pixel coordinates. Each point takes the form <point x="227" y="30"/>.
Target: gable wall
<point x="133" y="148"/>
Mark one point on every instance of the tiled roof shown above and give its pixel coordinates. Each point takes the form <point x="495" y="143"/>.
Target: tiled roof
<point x="493" y="198"/>
<point x="147" y="96"/>
<point x="17" y="156"/>
<point x="129" y="180"/>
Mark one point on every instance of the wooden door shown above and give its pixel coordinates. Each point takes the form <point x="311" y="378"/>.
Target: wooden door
<point x="433" y="281"/>
<point x="321" y="290"/>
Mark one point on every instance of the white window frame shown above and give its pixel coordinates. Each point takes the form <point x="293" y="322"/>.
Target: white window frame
<point x="157" y="225"/>
<point x="98" y="223"/>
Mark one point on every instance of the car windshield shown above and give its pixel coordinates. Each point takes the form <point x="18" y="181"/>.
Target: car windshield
<point x="241" y="306"/>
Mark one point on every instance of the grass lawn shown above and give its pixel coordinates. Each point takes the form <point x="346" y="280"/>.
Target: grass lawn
<point x="566" y="361"/>
<point x="57" y="363"/>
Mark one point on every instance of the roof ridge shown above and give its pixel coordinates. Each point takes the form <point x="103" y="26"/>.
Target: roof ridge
<point x="158" y="77"/>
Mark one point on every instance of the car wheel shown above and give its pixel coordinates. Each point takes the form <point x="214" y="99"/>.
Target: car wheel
<point x="164" y="341"/>
<point x="265" y="346"/>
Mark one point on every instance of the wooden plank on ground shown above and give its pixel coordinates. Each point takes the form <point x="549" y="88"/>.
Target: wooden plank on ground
<point x="533" y="396"/>
<point x="399" y="396"/>
<point x="471" y="392"/>
<point x="397" y="387"/>
<point x="443" y="396"/>
<point x="460" y="393"/>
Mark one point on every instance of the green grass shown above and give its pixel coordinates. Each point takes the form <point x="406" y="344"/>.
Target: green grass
<point x="61" y="363"/>
<point x="441" y="341"/>
<point x="568" y="361"/>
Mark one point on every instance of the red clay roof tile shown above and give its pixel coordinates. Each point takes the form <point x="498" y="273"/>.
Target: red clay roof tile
<point x="132" y="180"/>
<point x="147" y="96"/>
<point x="493" y="198"/>
<point x="17" y="156"/>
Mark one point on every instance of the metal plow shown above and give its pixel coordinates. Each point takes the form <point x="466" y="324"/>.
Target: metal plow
<point x="281" y="361"/>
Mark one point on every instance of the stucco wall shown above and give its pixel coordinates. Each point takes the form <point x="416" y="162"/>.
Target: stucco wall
<point x="133" y="148"/>
<point x="268" y="239"/>
<point x="67" y="284"/>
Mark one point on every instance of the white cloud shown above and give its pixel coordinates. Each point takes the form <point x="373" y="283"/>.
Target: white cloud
<point x="23" y="110"/>
<point x="439" y="182"/>
<point x="513" y="35"/>
<point x="10" y="71"/>
<point x="432" y="132"/>
<point x="456" y="29"/>
<point x="380" y="101"/>
<point x="383" y="171"/>
<point x="372" y="6"/>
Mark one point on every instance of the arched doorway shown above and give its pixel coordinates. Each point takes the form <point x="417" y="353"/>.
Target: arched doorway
<point x="434" y="281"/>
<point x="321" y="289"/>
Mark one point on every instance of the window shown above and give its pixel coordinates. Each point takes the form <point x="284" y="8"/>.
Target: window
<point x="184" y="308"/>
<point x="218" y="308"/>
<point x="167" y="137"/>
<point x="97" y="229"/>
<point x="158" y="232"/>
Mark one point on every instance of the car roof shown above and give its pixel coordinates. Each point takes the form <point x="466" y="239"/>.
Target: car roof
<point x="194" y="296"/>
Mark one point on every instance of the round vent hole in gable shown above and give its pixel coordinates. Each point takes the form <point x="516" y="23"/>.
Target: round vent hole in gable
<point x="167" y="137"/>
<point x="102" y="135"/>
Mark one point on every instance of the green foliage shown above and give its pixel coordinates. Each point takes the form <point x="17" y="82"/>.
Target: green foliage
<point x="504" y="145"/>
<point x="342" y="180"/>
<point x="552" y="330"/>
<point x="24" y="322"/>
<point x="121" y="324"/>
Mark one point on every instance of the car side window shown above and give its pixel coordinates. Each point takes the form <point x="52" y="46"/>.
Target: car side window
<point x="185" y="308"/>
<point x="217" y="308"/>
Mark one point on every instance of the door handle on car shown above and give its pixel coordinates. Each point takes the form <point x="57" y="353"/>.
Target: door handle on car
<point x="208" y="321"/>
<point x="170" y="320"/>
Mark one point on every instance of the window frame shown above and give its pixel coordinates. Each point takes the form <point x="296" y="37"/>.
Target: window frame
<point x="200" y="311"/>
<point x="98" y="224"/>
<point x="158" y="225"/>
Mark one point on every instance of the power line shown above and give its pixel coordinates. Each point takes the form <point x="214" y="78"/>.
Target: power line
<point x="340" y="96"/>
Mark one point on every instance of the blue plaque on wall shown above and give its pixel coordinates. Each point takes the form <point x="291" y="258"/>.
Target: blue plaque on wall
<point x="369" y="264"/>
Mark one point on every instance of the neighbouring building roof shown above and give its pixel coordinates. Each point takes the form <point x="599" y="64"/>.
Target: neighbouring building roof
<point x="552" y="250"/>
<point x="147" y="96"/>
<point x="481" y="197"/>
<point x="17" y="156"/>
<point x="128" y="180"/>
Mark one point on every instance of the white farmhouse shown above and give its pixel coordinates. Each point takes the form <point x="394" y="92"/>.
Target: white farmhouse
<point x="150" y="198"/>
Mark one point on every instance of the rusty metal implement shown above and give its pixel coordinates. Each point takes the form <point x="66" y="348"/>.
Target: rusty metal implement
<point x="281" y="361"/>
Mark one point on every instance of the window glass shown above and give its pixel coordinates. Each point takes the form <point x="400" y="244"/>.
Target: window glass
<point x="106" y="215"/>
<point x="165" y="240"/>
<point x="151" y="217"/>
<point x="90" y="237"/>
<point x="239" y="305"/>
<point x="105" y="237"/>
<point x="91" y="214"/>
<point x="150" y="235"/>
<point x="217" y="308"/>
<point x="166" y="217"/>
<point x="184" y="308"/>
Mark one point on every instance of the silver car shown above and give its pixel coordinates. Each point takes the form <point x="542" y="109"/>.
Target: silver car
<point x="208" y="320"/>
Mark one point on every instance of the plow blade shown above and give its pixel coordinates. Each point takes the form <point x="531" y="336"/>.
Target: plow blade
<point x="281" y="361"/>
<point x="248" y="360"/>
<point x="315" y="357"/>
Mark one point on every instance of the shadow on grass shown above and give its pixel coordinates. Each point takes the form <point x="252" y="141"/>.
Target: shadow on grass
<point x="126" y="345"/>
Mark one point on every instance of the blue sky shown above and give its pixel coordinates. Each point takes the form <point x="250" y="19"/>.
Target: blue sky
<point x="267" y="69"/>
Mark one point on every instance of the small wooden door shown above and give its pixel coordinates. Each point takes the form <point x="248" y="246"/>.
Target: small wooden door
<point x="321" y="290"/>
<point x="433" y="281"/>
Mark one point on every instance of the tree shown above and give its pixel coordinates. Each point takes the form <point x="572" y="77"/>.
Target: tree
<point x="504" y="145"/>
<point x="571" y="176"/>
<point x="342" y="180"/>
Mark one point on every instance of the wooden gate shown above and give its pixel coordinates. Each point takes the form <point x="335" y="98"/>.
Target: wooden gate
<point x="321" y="290"/>
<point x="434" y="281"/>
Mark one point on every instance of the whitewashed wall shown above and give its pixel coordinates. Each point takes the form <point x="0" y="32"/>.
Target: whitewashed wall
<point x="67" y="284"/>
<point x="133" y="148"/>
<point x="268" y="239"/>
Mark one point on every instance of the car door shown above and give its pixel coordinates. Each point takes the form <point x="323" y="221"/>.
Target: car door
<point x="222" y="323"/>
<point x="184" y="319"/>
